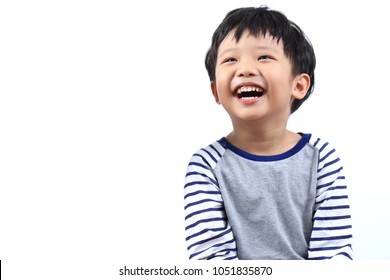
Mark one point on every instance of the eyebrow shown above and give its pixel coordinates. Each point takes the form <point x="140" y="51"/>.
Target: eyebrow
<point x="257" y="48"/>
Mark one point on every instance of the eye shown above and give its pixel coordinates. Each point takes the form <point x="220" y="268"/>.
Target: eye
<point x="230" y="59"/>
<point x="264" y="57"/>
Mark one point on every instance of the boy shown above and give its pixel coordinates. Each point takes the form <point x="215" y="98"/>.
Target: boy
<point x="263" y="192"/>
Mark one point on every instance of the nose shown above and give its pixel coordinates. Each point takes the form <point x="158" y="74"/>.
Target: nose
<point x="247" y="68"/>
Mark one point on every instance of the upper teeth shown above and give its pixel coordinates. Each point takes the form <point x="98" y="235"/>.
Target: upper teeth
<point x="248" y="88"/>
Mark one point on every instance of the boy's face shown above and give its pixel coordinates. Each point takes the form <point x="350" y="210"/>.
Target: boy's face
<point x="253" y="78"/>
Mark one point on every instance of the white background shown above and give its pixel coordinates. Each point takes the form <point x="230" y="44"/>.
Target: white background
<point x="102" y="103"/>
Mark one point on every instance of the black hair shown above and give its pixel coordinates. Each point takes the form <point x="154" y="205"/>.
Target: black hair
<point x="263" y="21"/>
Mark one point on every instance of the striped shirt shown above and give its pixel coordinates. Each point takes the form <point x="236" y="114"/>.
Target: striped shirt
<point x="289" y="206"/>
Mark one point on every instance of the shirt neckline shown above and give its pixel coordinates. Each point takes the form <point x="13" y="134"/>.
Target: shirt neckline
<point x="299" y="146"/>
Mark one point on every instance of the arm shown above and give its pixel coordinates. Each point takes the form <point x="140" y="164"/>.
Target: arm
<point x="332" y="230"/>
<point x="208" y="233"/>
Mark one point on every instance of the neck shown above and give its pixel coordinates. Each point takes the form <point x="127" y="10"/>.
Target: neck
<point x="260" y="140"/>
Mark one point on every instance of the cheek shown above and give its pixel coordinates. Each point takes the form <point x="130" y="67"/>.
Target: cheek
<point x="279" y="74"/>
<point x="223" y="81"/>
<point x="281" y="79"/>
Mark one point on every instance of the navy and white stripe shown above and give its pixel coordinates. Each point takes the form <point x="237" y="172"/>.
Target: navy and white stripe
<point x="332" y="229"/>
<point x="208" y="234"/>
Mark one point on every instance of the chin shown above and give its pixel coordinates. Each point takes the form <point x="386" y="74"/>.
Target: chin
<point x="248" y="118"/>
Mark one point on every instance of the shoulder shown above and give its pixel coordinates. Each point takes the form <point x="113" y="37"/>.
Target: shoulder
<point x="322" y="145"/>
<point x="328" y="156"/>
<point x="211" y="154"/>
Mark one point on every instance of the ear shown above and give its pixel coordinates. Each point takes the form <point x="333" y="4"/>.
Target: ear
<point x="300" y="86"/>
<point x="215" y="92"/>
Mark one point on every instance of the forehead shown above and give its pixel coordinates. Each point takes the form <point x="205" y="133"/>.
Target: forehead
<point x="249" y="40"/>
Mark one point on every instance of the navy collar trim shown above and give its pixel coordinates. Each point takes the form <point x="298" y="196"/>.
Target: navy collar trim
<point x="299" y="146"/>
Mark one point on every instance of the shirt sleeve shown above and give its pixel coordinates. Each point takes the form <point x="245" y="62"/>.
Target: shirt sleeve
<point x="332" y="228"/>
<point x="208" y="233"/>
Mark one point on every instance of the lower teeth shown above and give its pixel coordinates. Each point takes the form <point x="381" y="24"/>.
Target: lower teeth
<point x="249" y="97"/>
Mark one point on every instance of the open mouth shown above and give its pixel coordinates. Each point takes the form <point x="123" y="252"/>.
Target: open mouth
<point x="249" y="92"/>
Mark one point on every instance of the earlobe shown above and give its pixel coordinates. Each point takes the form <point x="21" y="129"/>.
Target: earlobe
<point x="215" y="92"/>
<point x="302" y="84"/>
